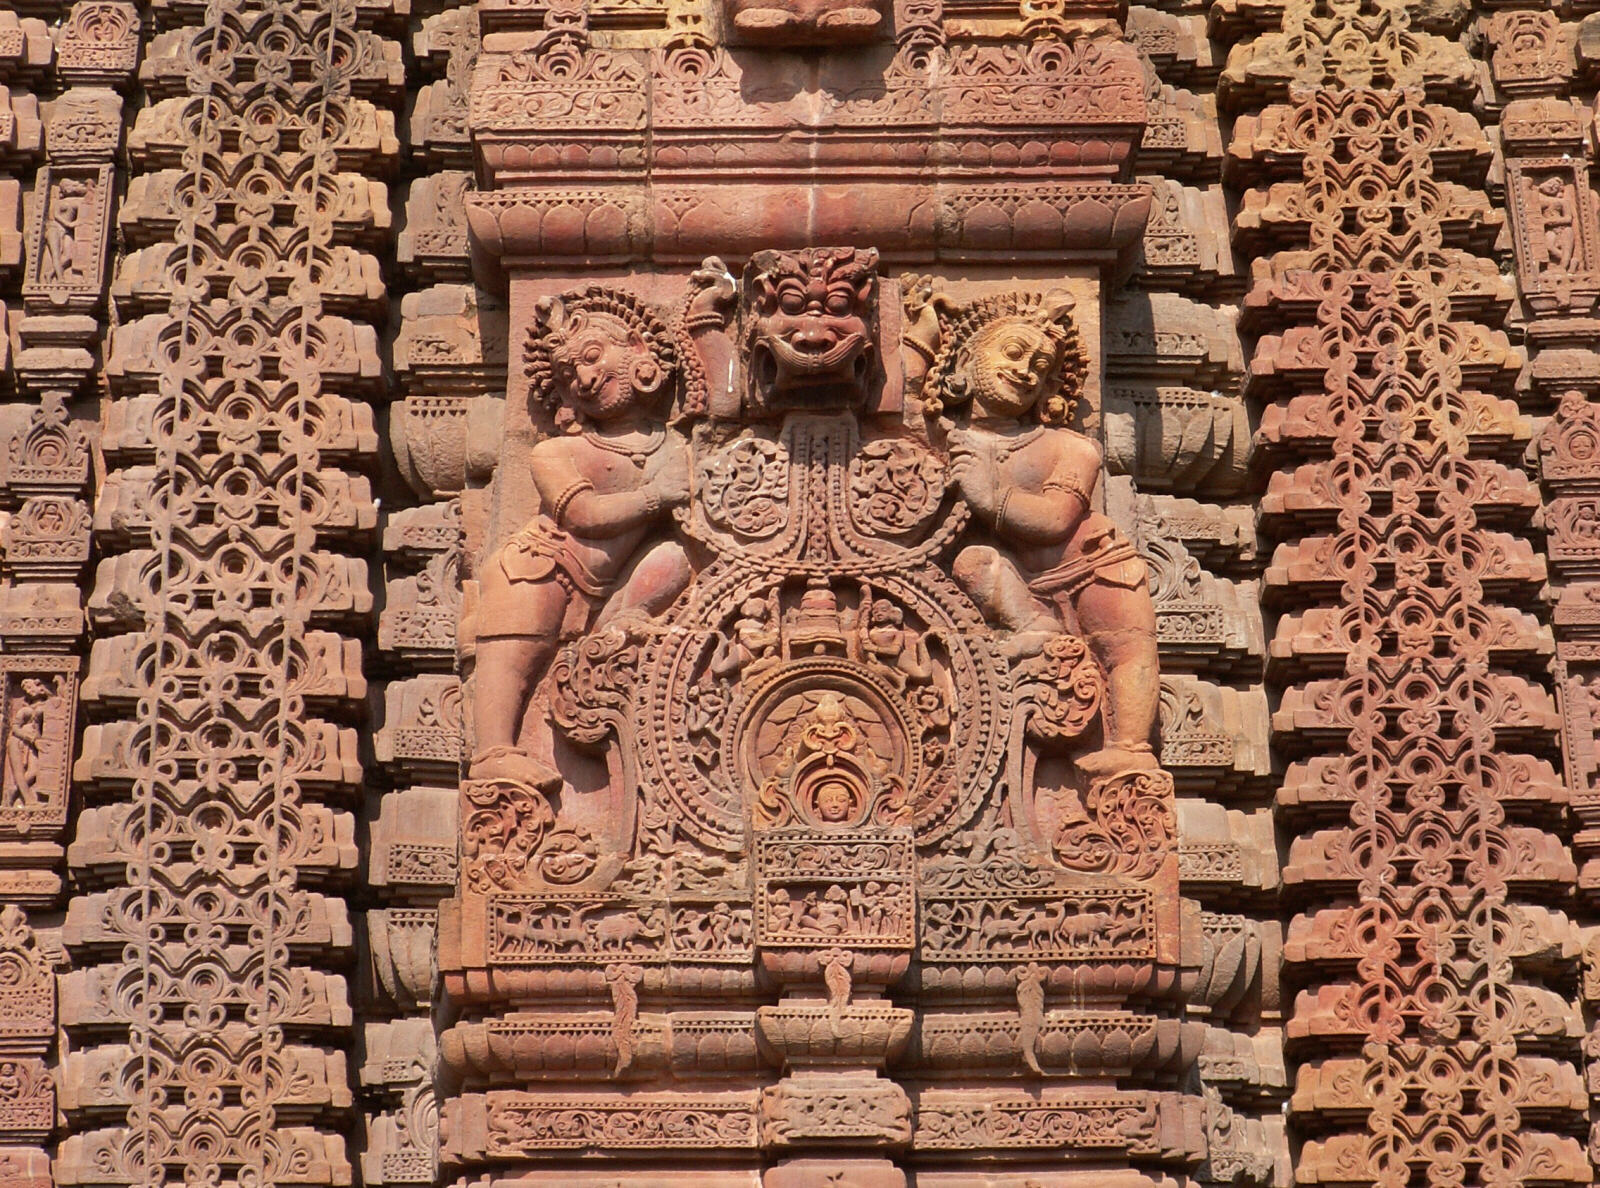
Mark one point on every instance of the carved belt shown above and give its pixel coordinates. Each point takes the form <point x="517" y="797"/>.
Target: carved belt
<point x="1071" y="576"/>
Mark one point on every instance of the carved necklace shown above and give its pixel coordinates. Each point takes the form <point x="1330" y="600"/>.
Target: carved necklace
<point x="637" y="456"/>
<point x="1012" y="445"/>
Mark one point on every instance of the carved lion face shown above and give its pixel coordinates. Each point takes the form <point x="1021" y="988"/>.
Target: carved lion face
<point x="809" y="325"/>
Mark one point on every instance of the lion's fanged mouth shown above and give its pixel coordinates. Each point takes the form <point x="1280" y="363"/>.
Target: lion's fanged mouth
<point x="793" y="359"/>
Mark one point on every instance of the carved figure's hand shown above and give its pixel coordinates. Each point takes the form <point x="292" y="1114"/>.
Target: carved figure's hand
<point x="922" y="333"/>
<point x="712" y="289"/>
<point x="671" y="479"/>
<point x="974" y="476"/>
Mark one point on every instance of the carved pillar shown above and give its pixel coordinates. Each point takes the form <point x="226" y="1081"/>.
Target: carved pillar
<point x="45" y="479"/>
<point x="1536" y="62"/>
<point x="449" y="362"/>
<point x="1413" y="702"/>
<point x="1177" y="434"/>
<point x="208" y="1007"/>
<point x="27" y="1089"/>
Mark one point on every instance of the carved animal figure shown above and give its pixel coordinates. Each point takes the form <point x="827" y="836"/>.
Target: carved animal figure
<point x="1042" y="925"/>
<point x="610" y="933"/>
<point x="528" y="932"/>
<point x="1001" y="925"/>
<point x="1127" y="923"/>
<point x="1084" y="927"/>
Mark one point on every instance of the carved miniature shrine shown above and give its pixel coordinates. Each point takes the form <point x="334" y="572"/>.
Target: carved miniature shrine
<point x="799" y="594"/>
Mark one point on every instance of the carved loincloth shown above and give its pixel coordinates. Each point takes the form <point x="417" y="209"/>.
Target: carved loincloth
<point x="1107" y="556"/>
<point x="540" y="552"/>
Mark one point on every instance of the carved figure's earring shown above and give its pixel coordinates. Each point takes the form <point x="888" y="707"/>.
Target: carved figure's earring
<point x="648" y="374"/>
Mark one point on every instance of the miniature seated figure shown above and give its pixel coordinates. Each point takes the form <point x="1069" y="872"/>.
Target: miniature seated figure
<point x="753" y="644"/>
<point x="886" y="639"/>
<point x="1005" y="361"/>
<point x="605" y="365"/>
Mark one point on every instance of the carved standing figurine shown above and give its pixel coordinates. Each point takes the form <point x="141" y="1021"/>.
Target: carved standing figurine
<point x="25" y="746"/>
<point x="1014" y="367"/>
<point x="1560" y="219"/>
<point x="604" y="364"/>
<point x="67" y="208"/>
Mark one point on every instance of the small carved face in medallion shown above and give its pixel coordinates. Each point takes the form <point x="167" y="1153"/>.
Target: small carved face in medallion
<point x="1012" y="361"/>
<point x="835" y="803"/>
<point x="604" y="365"/>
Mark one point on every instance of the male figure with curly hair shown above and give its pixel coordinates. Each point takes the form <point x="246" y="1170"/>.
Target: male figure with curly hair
<point x="604" y="365"/>
<point x="1014" y="367"/>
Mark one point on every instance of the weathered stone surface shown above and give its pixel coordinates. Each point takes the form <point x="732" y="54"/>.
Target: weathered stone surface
<point x="861" y="592"/>
<point x="801" y="641"/>
<point x="1378" y="496"/>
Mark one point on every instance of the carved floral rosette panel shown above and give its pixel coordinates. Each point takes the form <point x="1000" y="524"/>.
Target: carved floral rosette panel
<point x="826" y="744"/>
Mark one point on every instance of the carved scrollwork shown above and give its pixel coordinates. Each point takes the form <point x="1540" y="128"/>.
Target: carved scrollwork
<point x="985" y="860"/>
<point x="1130" y="827"/>
<point x="568" y="856"/>
<point x="593" y="682"/>
<point x="503" y="824"/>
<point x="895" y="486"/>
<point x="744" y="488"/>
<point x="520" y="1123"/>
<point x="1062" y="687"/>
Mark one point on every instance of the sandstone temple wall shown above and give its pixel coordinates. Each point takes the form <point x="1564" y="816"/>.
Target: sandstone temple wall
<point x="417" y="770"/>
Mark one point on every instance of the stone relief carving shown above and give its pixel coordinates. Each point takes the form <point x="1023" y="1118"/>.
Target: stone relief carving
<point x="604" y="365"/>
<point x="785" y="824"/>
<point x="69" y="239"/>
<point x="1010" y="371"/>
<point x="818" y="657"/>
<point x="37" y="701"/>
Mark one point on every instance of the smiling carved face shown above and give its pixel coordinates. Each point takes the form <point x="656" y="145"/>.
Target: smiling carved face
<point x="604" y="365"/>
<point x="809" y="328"/>
<point x="1012" y="361"/>
<point x="835" y="805"/>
